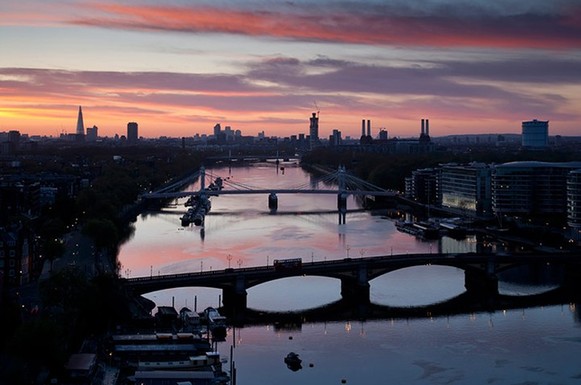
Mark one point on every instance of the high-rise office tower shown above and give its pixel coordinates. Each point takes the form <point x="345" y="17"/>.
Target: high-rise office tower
<point x="535" y="134"/>
<point x="132" y="134"/>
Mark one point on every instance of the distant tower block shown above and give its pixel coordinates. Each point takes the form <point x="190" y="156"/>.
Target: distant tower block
<point x="80" y="125"/>
<point x="535" y="133"/>
<point x="132" y="134"/>
<point x="314" y="130"/>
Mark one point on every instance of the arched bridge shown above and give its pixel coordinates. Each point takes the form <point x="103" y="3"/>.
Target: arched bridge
<point x="355" y="273"/>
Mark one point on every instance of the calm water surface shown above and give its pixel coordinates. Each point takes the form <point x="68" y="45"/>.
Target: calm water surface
<point x="527" y="346"/>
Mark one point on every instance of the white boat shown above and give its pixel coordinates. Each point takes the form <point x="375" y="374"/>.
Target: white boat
<point x="216" y="322"/>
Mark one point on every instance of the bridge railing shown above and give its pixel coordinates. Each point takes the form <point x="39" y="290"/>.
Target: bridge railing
<point x="305" y="263"/>
<point x="428" y="257"/>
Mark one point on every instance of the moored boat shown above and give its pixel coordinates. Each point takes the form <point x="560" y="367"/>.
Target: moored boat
<point x="293" y="361"/>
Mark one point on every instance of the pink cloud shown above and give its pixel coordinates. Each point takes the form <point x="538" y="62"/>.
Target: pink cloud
<point x="393" y="96"/>
<point x="364" y="24"/>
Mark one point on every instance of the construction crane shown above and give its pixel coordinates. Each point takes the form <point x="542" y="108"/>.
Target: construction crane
<point x="316" y="107"/>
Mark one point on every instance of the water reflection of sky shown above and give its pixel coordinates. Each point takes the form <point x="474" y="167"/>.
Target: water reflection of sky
<point x="527" y="346"/>
<point x="240" y="226"/>
<point x="240" y="232"/>
<point x="532" y="346"/>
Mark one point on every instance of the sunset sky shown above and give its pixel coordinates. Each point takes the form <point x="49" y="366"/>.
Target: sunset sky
<point x="179" y="67"/>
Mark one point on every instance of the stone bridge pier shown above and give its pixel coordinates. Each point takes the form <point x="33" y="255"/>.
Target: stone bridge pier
<point x="235" y="297"/>
<point x="482" y="282"/>
<point x="356" y="288"/>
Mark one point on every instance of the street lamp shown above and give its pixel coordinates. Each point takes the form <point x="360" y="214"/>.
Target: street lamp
<point x="229" y="258"/>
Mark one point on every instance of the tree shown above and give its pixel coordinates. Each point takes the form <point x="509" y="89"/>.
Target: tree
<point x="103" y="232"/>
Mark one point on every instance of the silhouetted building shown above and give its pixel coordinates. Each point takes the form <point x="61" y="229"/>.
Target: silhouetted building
<point x="366" y="138"/>
<point x="383" y="135"/>
<point x="80" y="132"/>
<point x="535" y="134"/>
<point x="574" y="201"/>
<point x="9" y="142"/>
<point x="92" y="134"/>
<point x="424" y="186"/>
<point x="80" y="124"/>
<point x="314" y="130"/>
<point x="132" y="132"/>
<point x="533" y="189"/>
<point x="16" y="257"/>
<point x="425" y="131"/>
<point x="335" y="138"/>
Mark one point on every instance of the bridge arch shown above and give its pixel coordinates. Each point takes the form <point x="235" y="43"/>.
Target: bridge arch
<point x="294" y="293"/>
<point x="417" y="286"/>
<point x="354" y="273"/>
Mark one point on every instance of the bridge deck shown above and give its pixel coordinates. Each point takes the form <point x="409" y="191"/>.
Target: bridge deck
<point x="183" y="194"/>
<point x="335" y="268"/>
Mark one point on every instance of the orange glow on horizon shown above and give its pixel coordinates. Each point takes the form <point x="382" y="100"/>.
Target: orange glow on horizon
<point x="177" y="123"/>
<point x="398" y="67"/>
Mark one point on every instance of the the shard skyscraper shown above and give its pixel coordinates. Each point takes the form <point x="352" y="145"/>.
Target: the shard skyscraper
<point x="80" y="124"/>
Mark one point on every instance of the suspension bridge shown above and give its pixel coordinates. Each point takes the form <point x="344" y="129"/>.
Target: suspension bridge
<point x="339" y="183"/>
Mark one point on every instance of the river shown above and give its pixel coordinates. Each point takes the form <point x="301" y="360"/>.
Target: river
<point x="536" y="345"/>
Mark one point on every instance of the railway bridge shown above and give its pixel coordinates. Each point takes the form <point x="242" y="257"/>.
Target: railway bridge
<point x="480" y="271"/>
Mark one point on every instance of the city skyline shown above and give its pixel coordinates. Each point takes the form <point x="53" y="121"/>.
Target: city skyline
<point x="181" y="67"/>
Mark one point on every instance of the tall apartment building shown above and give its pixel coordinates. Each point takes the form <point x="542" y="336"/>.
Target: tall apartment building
<point x="132" y="132"/>
<point x="423" y="186"/>
<point x="535" y="134"/>
<point x="532" y="189"/>
<point x="529" y="190"/>
<point x="574" y="200"/>
<point x="314" y="130"/>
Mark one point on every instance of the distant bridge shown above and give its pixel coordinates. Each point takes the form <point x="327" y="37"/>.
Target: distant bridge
<point x="346" y="185"/>
<point x="253" y="158"/>
<point x="183" y="194"/>
<point x="354" y="273"/>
